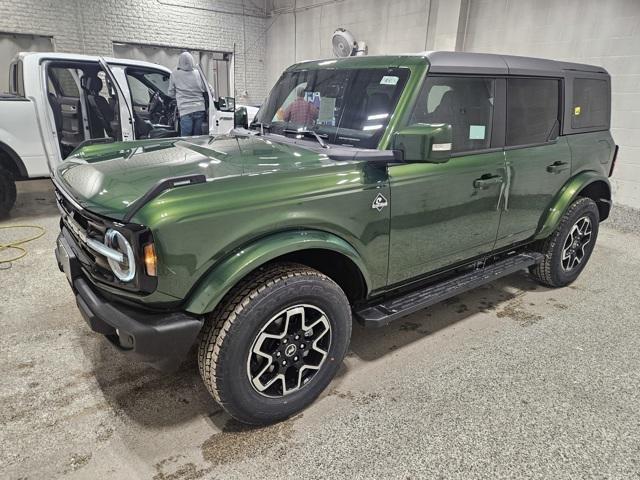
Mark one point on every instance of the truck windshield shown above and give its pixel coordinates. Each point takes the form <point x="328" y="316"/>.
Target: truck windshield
<point x="343" y="106"/>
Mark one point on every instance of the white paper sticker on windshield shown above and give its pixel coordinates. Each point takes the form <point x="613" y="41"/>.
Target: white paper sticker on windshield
<point x="389" y="80"/>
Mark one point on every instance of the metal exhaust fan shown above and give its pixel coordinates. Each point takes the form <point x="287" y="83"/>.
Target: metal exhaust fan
<point x="345" y="44"/>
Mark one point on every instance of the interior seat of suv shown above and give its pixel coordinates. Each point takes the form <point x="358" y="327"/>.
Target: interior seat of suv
<point x="100" y="112"/>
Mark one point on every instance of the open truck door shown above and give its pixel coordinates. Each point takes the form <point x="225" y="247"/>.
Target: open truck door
<point x="219" y="121"/>
<point x="125" y="111"/>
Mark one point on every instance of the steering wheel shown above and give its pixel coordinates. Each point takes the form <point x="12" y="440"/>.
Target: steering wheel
<point x="156" y="107"/>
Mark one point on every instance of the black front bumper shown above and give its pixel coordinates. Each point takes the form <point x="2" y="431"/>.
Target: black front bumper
<point x="159" y="339"/>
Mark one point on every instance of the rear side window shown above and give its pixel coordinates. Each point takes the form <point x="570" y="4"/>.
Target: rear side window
<point x="590" y="103"/>
<point x="533" y="110"/>
<point x="464" y="103"/>
<point x="67" y="83"/>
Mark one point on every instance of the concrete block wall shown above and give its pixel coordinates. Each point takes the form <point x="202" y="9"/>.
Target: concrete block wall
<point x="386" y="26"/>
<point x="91" y="26"/>
<point x="597" y="32"/>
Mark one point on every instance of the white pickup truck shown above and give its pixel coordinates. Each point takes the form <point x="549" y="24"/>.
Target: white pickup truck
<point x="60" y="101"/>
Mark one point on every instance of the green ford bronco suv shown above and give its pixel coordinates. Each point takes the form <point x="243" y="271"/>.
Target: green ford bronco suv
<point x="367" y="188"/>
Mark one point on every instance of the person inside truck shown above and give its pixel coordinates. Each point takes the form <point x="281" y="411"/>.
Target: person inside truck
<point x="187" y="87"/>
<point x="300" y="111"/>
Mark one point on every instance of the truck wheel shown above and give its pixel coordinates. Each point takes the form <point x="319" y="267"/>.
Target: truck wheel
<point x="7" y="192"/>
<point x="275" y="343"/>
<point x="567" y="250"/>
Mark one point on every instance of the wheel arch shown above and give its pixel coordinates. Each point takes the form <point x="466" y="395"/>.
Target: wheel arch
<point x="600" y="192"/>
<point x="325" y="252"/>
<point x="11" y="161"/>
<point x="589" y="184"/>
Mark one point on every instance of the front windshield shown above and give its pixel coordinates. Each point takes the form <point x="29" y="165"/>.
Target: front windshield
<point x="344" y="106"/>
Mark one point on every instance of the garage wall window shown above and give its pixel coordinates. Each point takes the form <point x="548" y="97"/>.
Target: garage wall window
<point x="533" y="110"/>
<point x="216" y="66"/>
<point x="12" y="43"/>
<point x="590" y="104"/>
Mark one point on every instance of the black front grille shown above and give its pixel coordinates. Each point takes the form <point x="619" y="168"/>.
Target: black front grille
<point x="80" y="225"/>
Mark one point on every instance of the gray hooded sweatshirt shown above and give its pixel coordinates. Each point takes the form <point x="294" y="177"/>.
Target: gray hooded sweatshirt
<point x="186" y="86"/>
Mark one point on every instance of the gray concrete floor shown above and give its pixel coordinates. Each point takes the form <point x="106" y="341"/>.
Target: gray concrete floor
<point x="509" y="380"/>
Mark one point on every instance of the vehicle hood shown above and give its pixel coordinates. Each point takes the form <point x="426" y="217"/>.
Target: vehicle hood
<point x="108" y="178"/>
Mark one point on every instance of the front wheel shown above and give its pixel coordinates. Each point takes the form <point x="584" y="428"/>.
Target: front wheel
<point x="568" y="249"/>
<point x="275" y="343"/>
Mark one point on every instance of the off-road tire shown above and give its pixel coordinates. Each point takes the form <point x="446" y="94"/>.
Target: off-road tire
<point x="7" y="192"/>
<point x="550" y="271"/>
<point x="230" y="331"/>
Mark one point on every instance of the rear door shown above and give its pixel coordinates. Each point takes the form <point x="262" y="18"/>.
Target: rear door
<point x="538" y="160"/>
<point x="64" y="84"/>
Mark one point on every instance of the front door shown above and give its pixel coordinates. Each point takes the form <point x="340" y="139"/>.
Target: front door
<point x="445" y="213"/>
<point x="538" y="160"/>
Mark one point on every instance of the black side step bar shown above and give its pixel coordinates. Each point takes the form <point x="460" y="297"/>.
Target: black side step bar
<point x="389" y="310"/>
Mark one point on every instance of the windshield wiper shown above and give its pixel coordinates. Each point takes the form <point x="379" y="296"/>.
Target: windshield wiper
<point x="308" y="133"/>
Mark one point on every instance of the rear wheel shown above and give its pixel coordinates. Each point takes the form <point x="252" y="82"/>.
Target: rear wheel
<point x="568" y="249"/>
<point x="7" y="192"/>
<point x="275" y="343"/>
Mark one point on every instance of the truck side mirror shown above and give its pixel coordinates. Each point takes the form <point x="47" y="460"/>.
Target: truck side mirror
<point x="423" y="142"/>
<point x="241" y="119"/>
<point x="226" y="104"/>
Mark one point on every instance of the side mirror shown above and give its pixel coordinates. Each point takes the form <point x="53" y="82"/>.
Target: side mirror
<point x="240" y="118"/>
<point x="423" y="142"/>
<point x="226" y="104"/>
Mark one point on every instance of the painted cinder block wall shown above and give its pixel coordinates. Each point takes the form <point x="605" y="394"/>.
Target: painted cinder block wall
<point x="601" y="32"/>
<point x="91" y="26"/>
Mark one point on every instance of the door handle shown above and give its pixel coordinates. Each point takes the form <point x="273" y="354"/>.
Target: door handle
<point x="486" y="181"/>
<point x="557" y="167"/>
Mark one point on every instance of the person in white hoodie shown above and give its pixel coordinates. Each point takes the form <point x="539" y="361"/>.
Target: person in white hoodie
<point x="187" y="87"/>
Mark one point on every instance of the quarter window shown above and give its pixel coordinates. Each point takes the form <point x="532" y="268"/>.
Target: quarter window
<point x="19" y="78"/>
<point x="464" y="103"/>
<point x="590" y="103"/>
<point x="533" y="114"/>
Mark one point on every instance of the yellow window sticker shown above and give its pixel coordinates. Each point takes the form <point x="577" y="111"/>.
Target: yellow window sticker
<point x="576" y="111"/>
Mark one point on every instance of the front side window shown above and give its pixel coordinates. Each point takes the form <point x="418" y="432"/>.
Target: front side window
<point x="143" y="84"/>
<point x="590" y="103"/>
<point x="464" y="103"/>
<point x="160" y="80"/>
<point x="533" y="113"/>
<point x="139" y="91"/>
<point x="345" y="106"/>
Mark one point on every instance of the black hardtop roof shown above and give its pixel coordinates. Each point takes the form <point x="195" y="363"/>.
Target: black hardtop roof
<point x="458" y="62"/>
<point x="493" y="64"/>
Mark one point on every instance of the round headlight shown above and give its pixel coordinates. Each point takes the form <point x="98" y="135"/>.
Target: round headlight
<point x="127" y="270"/>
